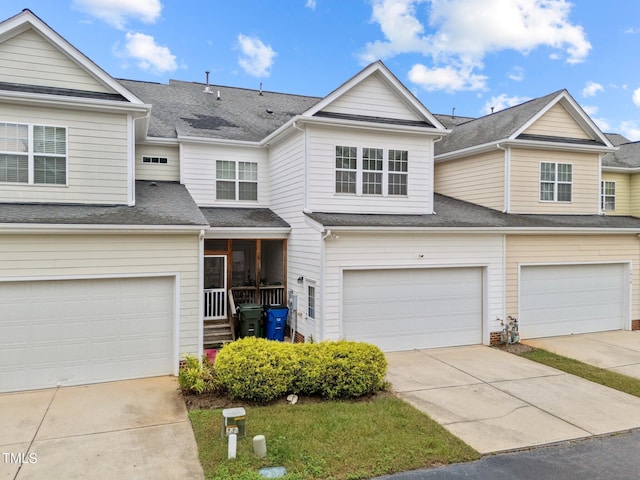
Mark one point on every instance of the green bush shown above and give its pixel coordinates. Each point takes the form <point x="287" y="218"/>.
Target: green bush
<point x="263" y="370"/>
<point x="199" y="377"/>
<point x="257" y="369"/>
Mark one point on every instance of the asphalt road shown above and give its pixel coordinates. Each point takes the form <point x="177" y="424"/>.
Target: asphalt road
<point x="613" y="457"/>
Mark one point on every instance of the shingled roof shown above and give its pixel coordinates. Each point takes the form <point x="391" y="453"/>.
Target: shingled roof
<point x="184" y="109"/>
<point x="627" y="156"/>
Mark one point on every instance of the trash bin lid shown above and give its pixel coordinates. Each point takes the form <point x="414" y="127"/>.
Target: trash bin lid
<point x="250" y="306"/>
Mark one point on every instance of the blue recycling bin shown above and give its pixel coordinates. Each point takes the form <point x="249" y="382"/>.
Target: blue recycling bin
<point x="275" y="320"/>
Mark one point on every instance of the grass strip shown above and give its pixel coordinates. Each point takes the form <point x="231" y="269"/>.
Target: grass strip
<point x="594" y="374"/>
<point x="330" y="440"/>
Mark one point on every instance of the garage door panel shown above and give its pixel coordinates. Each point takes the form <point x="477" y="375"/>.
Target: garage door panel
<point x="571" y="299"/>
<point x="71" y="332"/>
<point x="400" y="309"/>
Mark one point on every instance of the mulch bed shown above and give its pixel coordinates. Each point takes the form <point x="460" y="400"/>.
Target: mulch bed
<point x="515" y="348"/>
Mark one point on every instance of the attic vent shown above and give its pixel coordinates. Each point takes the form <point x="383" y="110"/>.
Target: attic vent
<point x="260" y="89"/>
<point x="269" y="111"/>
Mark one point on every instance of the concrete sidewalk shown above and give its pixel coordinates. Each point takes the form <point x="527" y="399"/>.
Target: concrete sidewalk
<point x="618" y="351"/>
<point x="130" y="429"/>
<point x="497" y="401"/>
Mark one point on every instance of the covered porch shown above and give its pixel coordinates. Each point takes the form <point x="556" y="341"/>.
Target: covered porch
<point x="251" y="268"/>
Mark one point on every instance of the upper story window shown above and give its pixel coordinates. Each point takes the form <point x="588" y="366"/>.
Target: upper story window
<point x="608" y="196"/>
<point x="311" y="299"/>
<point x="157" y="160"/>
<point x="364" y="171"/>
<point x="556" y="182"/>
<point x="33" y="154"/>
<point x="236" y="180"/>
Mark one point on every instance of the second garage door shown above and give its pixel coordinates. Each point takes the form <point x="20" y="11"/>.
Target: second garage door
<point x="403" y="309"/>
<point x="567" y="299"/>
<point x="70" y="332"/>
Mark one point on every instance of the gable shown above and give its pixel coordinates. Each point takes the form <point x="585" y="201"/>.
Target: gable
<point x="557" y="122"/>
<point x="30" y="59"/>
<point x="372" y="97"/>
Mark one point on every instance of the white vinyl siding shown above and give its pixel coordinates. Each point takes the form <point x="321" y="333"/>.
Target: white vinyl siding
<point x="41" y="256"/>
<point x="373" y="98"/>
<point x="321" y="176"/>
<point x="30" y="59"/>
<point x="405" y="309"/>
<point x="557" y="122"/>
<point x="97" y="157"/>
<point x="168" y="172"/>
<point x="572" y="299"/>
<point x="250" y="176"/>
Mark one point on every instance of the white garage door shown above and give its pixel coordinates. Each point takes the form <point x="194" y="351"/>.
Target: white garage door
<point x="413" y="308"/>
<point x="70" y="332"/>
<point x="567" y="299"/>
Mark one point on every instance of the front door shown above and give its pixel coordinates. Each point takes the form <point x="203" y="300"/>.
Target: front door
<point x="215" y="287"/>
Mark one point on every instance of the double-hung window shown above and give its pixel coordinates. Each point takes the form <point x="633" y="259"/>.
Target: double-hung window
<point x="236" y="180"/>
<point x="33" y="154"/>
<point x="371" y="171"/>
<point x="556" y="182"/>
<point x="608" y="196"/>
<point x="311" y="299"/>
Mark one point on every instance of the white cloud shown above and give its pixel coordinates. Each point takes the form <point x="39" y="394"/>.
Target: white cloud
<point x="590" y="110"/>
<point x="501" y="102"/>
<point x="311" y="4"/>
<point x="591" y="88"/>
<point x="257" y="58"/>
<point x="148" y="54"/>
<point x="448" y="78"/>
<point x="636" y="97"/>
<point x="516" y="74"/>
<point x="117" y="12"/>
<point x="463" y="32"/>
<point x="631" y="130"/>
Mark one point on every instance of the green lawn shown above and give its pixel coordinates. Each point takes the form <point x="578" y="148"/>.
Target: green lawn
<point x="330" y="440"/>
<point x="599" y="375"/>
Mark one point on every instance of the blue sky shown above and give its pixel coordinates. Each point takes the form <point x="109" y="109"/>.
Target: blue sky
<point x="470" y="55"/>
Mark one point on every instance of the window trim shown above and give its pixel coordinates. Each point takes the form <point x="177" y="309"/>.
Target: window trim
<point x="237" y="181"/>
<point x="312" y="309"/>
<point x="555" y="182"/>
<point x="385" y="174"/>
<point x="604" y="195"/>
<point x="31" y="154"/>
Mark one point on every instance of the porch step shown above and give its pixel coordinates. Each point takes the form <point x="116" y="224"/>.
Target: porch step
<point x="217" y="333"/>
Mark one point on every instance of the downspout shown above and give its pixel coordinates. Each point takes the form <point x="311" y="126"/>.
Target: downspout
<point x="200" y="293"/>
<point x="305" y="193"/>
<point x="507" y="177"/>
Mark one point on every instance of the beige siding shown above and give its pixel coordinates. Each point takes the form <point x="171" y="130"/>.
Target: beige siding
<point x="168" y="172"/>
<point x="396" y="250"/>
<point x="558" y="123"/>
<point x="321" y="176"/>
<point x="634" y="194"/>
<point x="30" y="59"/>
<point x="373" y="98"/>
<point x="525" y="182"/>
<point x="478" y="179"/>
<point x="97" y="156"/>
<point x="532" y="249"/>
<point x="38" y="256"/>
<point x="623" y="192"/>
<point x="198" y="164"/>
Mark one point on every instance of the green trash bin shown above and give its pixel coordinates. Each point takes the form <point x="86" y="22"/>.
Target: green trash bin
<point x="250" y="315"/>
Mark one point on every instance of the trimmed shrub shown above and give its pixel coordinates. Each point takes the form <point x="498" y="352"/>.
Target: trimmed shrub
<point x="199" y="377"/>
<point x="263" y="370"/>
<point x="257" y="369"/>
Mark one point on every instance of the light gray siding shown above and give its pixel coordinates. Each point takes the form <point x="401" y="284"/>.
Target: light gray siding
<point x="168" y="172"/>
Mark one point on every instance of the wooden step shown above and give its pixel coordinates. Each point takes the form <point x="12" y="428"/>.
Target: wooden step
<point x="217" y="333"/>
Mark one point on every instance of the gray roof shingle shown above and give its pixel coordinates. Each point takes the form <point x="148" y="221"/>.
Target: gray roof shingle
<point x="454" y="213"/>
<point x="220" y="217"/>
<point x="67" y="92"/>
<point x="182" y="108"/>
<point x="157" y="203"/>
<point x="627" y="156"/>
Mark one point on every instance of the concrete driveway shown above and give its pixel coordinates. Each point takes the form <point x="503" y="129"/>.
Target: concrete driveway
<point x="618" y="351"/>
<point x="496" y="401"/>
<point x="135" y="429"/>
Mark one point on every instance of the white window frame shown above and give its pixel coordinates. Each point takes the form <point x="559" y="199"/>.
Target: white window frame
<point x="367" y="172"/>
<point x="32" y="155"/>
<point x="238" y="180"/>
<point x="555" y="182"/>
<point x="604" y="195"/>
<point x="312" y="300"/>
<point x="342" y="170"/>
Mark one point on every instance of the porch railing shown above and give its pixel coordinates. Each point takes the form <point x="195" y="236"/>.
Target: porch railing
<point x="215" y="303"/>
<point x="264" y="295"/>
